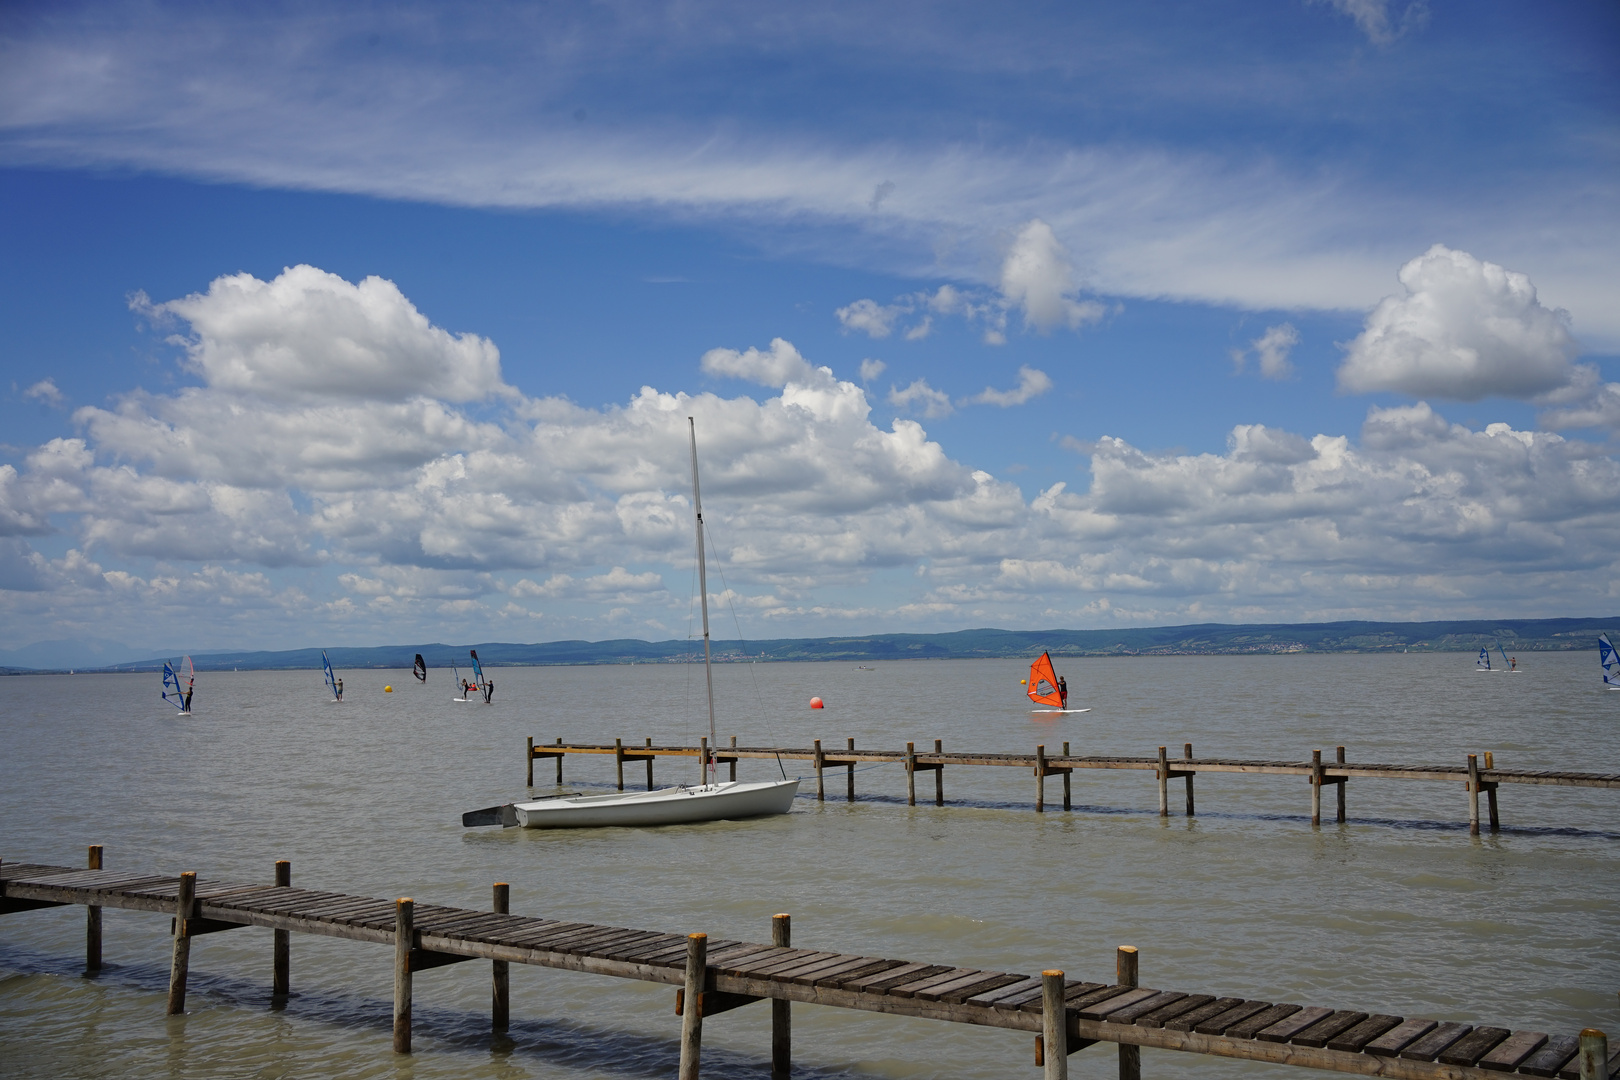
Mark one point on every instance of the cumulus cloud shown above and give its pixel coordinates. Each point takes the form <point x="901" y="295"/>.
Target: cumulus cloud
<point x="869" y="317"/>
<point x="871" y="369"/>
<point x="1271" y="351"/>
<point x="777" y="366"/>
<point x="46" y="390"/>
<point x="919" y="395"/>
<point x="1374" y="18"/>
<point x="1036" y="278"/>
<point x="1464" y="329"/>
<point x="1032" y="383"/>
<point x="310" y="335"/>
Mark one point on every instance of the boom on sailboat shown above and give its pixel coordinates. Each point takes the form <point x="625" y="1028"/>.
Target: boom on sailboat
<point x="178" y="684"/>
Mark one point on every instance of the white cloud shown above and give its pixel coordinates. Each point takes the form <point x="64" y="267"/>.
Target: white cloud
<point x="1271" y="349"/>
<point x="310" y="335"/>
<point x="1032" y="383"/>
<point x="46" y="390"/>
<point x="776" y="367"/>
<point x="1373" y="17"/>
<point x="1463" y="329"/>
<point x="871" y="369"/>
<point x="1037" y="278"/>
<point x="919" y="395"/>
<point x="869" y="317"/>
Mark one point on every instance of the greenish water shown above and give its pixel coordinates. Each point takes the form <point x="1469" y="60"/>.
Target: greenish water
<point x="1397" y="910"/>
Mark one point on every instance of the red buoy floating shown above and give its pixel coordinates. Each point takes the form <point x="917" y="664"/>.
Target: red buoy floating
<point x="815" y="703"/>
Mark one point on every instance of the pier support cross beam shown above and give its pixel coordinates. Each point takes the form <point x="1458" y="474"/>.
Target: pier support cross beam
<point x="92" y="921"/>
<point x="697" y="953"/>
<point x="281" y="949"/>
<point x="500" y="1003"/>
<point x="404" y="940"/>
<point x="781" y="1010"/>
<point x="180" y="965"/>
<point x="1130" y="1057"/>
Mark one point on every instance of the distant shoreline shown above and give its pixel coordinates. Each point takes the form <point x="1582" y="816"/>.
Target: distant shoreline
<point x="1206" y="639"/>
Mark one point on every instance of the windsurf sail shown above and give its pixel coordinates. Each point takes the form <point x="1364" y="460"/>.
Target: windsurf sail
<point x="1484" y="661"/>
<point x="1504" y="654"/>
<point x="178" y="684"/>
<point x="420" y="670"/>
<point x="484" y="686"/>
<point x="333" y="683"/>
<point x="1043" y="683"/>
<point x="1610" y="662"/>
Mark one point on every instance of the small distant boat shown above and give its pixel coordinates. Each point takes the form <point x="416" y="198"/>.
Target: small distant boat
<point x="333" y="683"/>
<point x="178" y="683"/>
<point x="713" y="800"/>
<point x="419" y="669"/>
<point x="1610" y="662"/>
<point x="1045" y="688"/>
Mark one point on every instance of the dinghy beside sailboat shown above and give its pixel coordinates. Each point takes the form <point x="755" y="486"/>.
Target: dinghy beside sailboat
<point x="712" y="800"/>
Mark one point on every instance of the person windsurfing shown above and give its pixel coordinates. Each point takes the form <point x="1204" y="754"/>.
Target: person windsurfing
<point x="1063" y="691"/>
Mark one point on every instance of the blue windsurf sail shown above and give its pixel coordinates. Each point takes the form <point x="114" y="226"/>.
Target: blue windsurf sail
<point x="332" y="682"/>
<point x="1504" y="654"/>
<point x="1484" y="661"/>
<point x="1610" y="662"/>
<point x="178" y="684"/>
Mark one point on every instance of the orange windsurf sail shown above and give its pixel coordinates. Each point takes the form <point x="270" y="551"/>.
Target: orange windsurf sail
<point x="1043" y="684"/>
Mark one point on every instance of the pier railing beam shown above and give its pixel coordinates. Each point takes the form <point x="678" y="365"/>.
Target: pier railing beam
<point x="500" y="997"/>
<point x="1473" y="794"/>
<point x="1054" y="1027"/>
<point x="1164" y="783"/>
<point x="281" y="948"/>
<point x="1316" y="787"/>
<point x="1186" y="754"/>
<point x="404" y="939"/>
<point x="92" y="921"/>
<point x="781" y="1011"/>
<point x="697" y="951"/>
<point x="185" y="901"/>
<point x="1594" y="1055"/>
<point x="1130" y="1057"/>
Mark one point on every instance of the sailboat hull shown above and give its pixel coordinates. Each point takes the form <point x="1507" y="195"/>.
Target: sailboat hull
<point x="724" y="801"/>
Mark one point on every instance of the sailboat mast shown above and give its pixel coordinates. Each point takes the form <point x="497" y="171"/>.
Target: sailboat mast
<point x="703" y="593"/>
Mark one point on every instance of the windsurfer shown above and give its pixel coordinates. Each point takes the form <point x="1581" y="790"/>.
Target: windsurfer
<point x="187" y="706"/>
<point x="1063" y="691"/>
<point x="339" y="684"/>
<point x="1513" y="663"/>
<point x="489" y="690"/>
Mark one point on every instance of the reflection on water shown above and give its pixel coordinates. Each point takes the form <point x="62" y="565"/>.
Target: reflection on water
<point x="1397" y="910"/>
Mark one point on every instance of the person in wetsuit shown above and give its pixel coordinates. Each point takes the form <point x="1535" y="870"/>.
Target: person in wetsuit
<point x="1063" y="691"/>
<point x="489" y="690"/>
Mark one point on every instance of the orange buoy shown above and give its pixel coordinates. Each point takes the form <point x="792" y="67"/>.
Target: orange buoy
<point x="815" y="703"/>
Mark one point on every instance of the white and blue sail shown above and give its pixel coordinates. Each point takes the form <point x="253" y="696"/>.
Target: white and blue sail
<point x="178" y="684"/>
<point x="1610" y="662"/>
<point x="333" y="683"/>
<point x="1484" y="661"/>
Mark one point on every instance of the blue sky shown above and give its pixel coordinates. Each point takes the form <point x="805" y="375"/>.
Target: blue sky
<point x="1132" y="314"/>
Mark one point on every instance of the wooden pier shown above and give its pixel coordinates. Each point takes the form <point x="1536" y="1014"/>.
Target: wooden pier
<point x="718" y="976"/>
<point x="1476" y="777"/>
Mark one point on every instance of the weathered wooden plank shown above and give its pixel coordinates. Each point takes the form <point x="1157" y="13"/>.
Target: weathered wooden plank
<point x="995" y="998"/>
<point x="1185" y="1004"/>
<point x="764" y="963"/>
<point x="951" y="975"/>
<point x="1352" y="1041"/>
<point x="1204" y="1013"/>
<point x="866" y="965"/>
<point x="1093" y="997"/>
<point x="961" y="992"/>
<point x="1329" y="1028"/>
<point x="1429" y="1046"/>
<point x="651" y="941"/>
<point x="1392" y="1042"/>
<point x="1513" y="1051"/>
<point x="1218" y="1024"/>
<point x="1254" y="1025"/>
<point x="1130" y="1014"/>
<point x="1074" y="991"/>
<point x="809" y="973"/>
<point x="1285" y="1029"/>
<point x="876" y="983"/>
<point x="1107" y="1007"/>
<point x="1473" y="1046"/>
<point x="1554" y="1054"/>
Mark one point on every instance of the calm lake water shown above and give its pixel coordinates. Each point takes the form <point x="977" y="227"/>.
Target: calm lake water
<point x="1399" y="910"/>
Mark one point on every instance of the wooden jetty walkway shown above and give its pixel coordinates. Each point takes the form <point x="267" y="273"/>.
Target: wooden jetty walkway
<point x="1476" y="778"/>
<point x="718" y="976"/>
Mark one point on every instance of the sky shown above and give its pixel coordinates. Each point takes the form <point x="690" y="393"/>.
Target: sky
<point x="348" y="324"/>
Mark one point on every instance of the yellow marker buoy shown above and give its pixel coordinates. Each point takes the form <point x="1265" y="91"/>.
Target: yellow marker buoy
<point x="388" y="689"/>
<point x="1023" y="682"/>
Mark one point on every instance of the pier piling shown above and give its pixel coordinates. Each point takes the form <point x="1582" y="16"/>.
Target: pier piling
<point x="92" y="921"/>
<point x="1186" y="755"/>
<point x="1040" y="779"/>
<point x="911" y="774"/>
<point x="1473" y="794"/>
<point x="181" y="962"/>
<point x="1164" y="783"/>
<point x="618" y="761"/>
<point x="1490" y="791"/>
<point x="1594" y="1055"/>
<point x="1054" y="1027"/>
<point x="404" y="935"/>
<point x="1316" y="788"/>
<point x="649" y="764"/>
<point x="281" y="947"/>
<point x="1125" y="974"/>
<point x="939" y="775"/>
<point x="781" y="1010"/>
<point x="500" y="1006"/>
<point x="851" y="768"/>
<point x="529" y="757"/>
<point x="1344" y="781"/>
<point x="821" y="785"/>
<point x="697" y="948"/>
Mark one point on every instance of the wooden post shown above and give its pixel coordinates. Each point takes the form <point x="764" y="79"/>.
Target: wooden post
<point x="1130" y="1057"/>
<point x="734" y="760"/>
<point x="181" y="963"/>
<point x="1473" y="794"/>
<point x="1066" y="775"/>
<point x="1054" y="1027"/>
<point x="939" y="775"/>
<point x="781" y="1011"/>
<point x="500" y="1006"/>
<point x="911" y="774"/>
<point x="697" y="951"/>
<point x="618" y="761"/>
<point x="281" y="948"/>
<point x="92" y="921"/>
<point x="1040" y="779"/>
<point x="559" y="762"/>
<point x="1164" y="783"/>
<point x="404" y="937"/>
<point x="1594" y="1055"/>
<point x="649" y="764"/>
<point x="1344" y="781"/>
<point x="1490" y="792"/>
<point x="703" y="761"/>
<point x="1186" y="754"/>
<point x="851" y="768"/>
<point x="821" y="786"/>
<point x="1316" y="787"/>
<point x="529" y="760"/>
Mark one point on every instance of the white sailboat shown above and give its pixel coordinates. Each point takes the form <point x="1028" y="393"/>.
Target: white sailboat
<point x="712" y="800"/>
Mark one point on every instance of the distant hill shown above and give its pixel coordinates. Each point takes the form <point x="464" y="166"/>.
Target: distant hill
<point x="1206" y="639"/>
